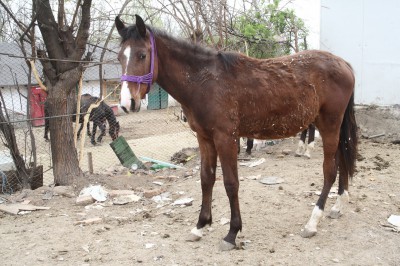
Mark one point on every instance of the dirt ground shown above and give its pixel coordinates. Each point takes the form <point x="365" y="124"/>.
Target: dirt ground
<point x="152" y="231"/>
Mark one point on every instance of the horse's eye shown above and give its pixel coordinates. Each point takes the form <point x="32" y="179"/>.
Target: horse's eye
<point x="142" y="56"/>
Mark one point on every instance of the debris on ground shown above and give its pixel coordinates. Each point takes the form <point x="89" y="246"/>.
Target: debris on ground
<point x="253" y="163"/>
<point x="271" y="180"/>
<point x="184" y="156"/>
<point x="16" y="208"/>
<point x="97" y="192"/>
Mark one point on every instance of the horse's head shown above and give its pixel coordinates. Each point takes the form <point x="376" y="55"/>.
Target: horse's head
<point x="114" y="130"/>
<point x="137" y="58"/>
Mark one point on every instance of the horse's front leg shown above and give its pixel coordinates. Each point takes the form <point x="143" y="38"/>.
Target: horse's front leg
<point x="79" y="130"/>
<point x="93" y="138"/>
<point x="88" y="129"/>
<point x="227" y="152"/>
<point x="208" y="155"/>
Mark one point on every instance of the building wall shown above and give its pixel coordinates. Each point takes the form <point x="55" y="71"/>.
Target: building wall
<point x="15" y="101"/>
<point x="366" y="34"/>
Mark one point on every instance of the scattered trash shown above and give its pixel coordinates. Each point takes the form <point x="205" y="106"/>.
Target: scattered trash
<point x="48" y="195"/>
<point x="253" y="163"/>
<point x="18" y="207"/>
<point x="160" y="163"/>
<point x="97" y="192"/>
<point x="183" y="202"/>
<point x="224" y="221"/>
<point x="394" y="220"/>
<point x="149" y="245"/>
<point x="158" y="183"/>
<point x="125" y="199"/>
<point x="376" y="136"/>
<point x="253" y="177"/>
<point x="86" y="248"/>
<point x="272" y="180"/>
<point x="244" y="244"/>
<point x="162" y="198"/>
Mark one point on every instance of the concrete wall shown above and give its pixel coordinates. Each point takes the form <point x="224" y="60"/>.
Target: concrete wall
<point x="366" y="34"/>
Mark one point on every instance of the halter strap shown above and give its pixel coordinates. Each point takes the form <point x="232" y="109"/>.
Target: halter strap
<point x="147" y="78"/>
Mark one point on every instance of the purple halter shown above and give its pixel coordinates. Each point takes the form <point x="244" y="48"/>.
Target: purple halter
<point x="148" y="78"/>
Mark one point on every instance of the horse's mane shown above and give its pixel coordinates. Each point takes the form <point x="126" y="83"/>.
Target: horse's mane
<point x="228" y="59"/>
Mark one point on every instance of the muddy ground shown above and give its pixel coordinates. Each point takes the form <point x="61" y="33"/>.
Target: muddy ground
<point x="153" y="232"/>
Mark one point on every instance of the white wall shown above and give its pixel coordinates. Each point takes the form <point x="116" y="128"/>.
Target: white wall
<point x="366" y="34"/>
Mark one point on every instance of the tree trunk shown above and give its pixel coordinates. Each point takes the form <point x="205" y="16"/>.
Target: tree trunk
<point x="9" y="135"/>
<point x="65" y="159"/>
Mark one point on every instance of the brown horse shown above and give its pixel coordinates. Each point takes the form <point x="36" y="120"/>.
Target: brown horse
<point x="228" y="95"/>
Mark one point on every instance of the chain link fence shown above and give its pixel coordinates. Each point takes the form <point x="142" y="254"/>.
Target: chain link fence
<point x="157" y="131"/>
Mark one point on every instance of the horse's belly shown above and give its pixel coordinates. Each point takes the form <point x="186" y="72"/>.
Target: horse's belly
<point x="275" y="128"/>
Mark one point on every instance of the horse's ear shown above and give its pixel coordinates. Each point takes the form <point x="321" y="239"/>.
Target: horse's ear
<point x="141" y="27"/>
<point x="119" y="24"/>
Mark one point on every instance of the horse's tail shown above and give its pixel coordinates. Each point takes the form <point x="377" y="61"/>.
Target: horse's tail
<point x="349" y="139"/>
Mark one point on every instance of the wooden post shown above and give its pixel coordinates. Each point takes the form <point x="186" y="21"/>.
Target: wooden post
<point x="90" y="162"/>
<point x="78" y="110"/>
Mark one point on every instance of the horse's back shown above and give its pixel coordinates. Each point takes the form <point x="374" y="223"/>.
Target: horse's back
<point x="290" y="91"/>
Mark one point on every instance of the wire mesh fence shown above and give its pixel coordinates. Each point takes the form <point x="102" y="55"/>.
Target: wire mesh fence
<point x="157" y="131"/>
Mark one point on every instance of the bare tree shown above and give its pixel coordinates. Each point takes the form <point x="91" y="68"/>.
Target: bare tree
<point x="67" y="44"/>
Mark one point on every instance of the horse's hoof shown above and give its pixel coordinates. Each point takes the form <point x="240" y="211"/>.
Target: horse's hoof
<point x="308" y="233"/>
<point x="334" y="214"/>
<point x="193" y="238"/>
<point x="226" y="246"/>
<point x="195" y="235"/>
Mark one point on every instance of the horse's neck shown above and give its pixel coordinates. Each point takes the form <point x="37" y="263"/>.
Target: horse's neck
<point x="178" y="80"/>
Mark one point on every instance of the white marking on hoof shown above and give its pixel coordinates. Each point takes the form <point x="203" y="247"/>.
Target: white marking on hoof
<point x="311" y="145"/>
<point x="311" y="227"/>
<point x="195" y="235"/>
<point x="226" y="246"/>
<point x="300" y="149"/>
<point x="309" y="148"/>
<point x="307" y="234"/>
<point x="337" y="209"/>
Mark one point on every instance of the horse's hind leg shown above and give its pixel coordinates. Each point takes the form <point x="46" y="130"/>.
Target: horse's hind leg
<point x="301" y="146"/>
<point x="93" y="138"/>
<point x="330" y="139"/>
<point x="207" y="173"/>
<point x="311" y="143"/>
<point x="250" y="144"/>
<point x="343" y="191"/>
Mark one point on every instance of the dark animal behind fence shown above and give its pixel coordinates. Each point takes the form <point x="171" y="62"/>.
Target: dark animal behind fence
<point x="98" y="116"/>
<point x="229" y="95"/>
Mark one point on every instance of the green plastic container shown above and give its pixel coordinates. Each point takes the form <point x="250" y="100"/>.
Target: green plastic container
<point x="157" y="98"/>
<point x="125" y="154"/>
